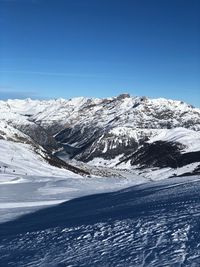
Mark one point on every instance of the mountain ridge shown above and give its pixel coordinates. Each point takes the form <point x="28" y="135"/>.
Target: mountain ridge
<point x="104" y="132"/>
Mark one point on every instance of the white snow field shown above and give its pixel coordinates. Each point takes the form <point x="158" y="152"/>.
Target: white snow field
<point x="188" y="138"/>
<point x="28" y="182"/>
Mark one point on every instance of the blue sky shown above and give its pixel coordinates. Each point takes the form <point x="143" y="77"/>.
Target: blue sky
<point x="99" y="48"/>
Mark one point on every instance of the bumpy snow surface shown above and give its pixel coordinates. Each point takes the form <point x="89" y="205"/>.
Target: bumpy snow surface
<point x="154" y="224"/>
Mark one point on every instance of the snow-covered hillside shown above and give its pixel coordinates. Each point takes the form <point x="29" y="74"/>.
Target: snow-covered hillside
<point x="28" y="182"/>
<point x="107" y="132"/>
<point x="189" y="139"/>
<point x="55" y="150"/>
<point x="21" y="159"/>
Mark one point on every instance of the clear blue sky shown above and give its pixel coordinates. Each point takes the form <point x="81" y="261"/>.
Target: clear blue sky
<point x="66" y="48"/>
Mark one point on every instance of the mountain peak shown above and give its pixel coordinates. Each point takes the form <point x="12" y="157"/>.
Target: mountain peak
<point x="122" y="96"/>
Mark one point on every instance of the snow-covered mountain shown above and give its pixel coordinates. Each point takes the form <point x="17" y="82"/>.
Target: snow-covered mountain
<point x="123" y="132"/>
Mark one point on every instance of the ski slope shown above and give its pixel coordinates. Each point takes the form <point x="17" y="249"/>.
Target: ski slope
<point x="29" y="182"/>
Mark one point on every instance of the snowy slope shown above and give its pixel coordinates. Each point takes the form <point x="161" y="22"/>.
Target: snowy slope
<point x="7" y="132"/>
<point x="120" y="141"/>
<point x="154" y="224"/>
<point x="170" y="152"/>
<point x="188" y="138"/>
<point x="22" y="159"/>
<point x="28" y="182"/>
<point x="101" y="132"/>
<point x="130" y="140"/>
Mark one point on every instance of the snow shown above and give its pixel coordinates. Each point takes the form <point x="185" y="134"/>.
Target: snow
<point x="97" y="161"/>
<point x="154" y="224"/>
<point x="10" y="179"/>
<point x="29" y="178"/>
<point x="156" y="174"/>
<point x="135" y="133"/>
<point x="34" y="183"/>
<point x="22" y="159"/>
<point x="101" y="112"/>
<point x="125" y="131"/>
<point x="190" y="139"/>
<point x="12" y="205"/>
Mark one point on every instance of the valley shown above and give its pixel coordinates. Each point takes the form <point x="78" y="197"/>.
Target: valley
<point x="110" y="182"/>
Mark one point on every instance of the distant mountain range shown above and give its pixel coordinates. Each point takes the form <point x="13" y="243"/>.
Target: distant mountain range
<point x="152" y="137"/>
